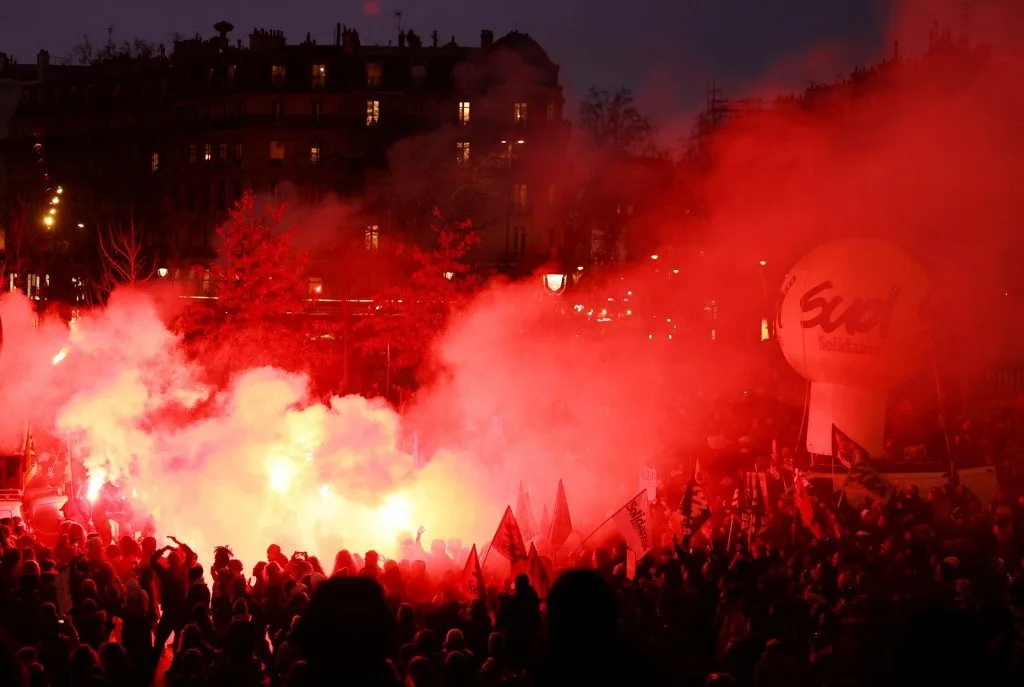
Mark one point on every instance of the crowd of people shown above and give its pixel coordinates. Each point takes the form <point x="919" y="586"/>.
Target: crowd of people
<point x="926" y="587"/>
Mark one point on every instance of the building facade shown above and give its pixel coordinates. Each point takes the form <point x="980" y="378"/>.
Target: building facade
<point x="386" y="130"/>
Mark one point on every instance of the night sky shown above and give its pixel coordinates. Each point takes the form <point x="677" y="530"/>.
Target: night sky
<point x="666" y="50"/>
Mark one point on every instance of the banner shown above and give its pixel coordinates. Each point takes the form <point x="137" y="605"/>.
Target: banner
<point x="472" y="583"/>
<point x="802" y="501"/>
<point x="545" y="524"/>
<point x="508" y="540"/>
<point x="694" y="507"/>
<point x="524" y="516"/>
<point x="649" y="482"/>
<point x="981" y="482"/>
<point x="634" y="522"/>
<point x="561" y="523"/>
<point x="538" y="575"/>
<point x="28" y="456"/>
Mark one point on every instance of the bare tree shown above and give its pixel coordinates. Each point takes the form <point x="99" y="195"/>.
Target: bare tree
<point x="82" y="54"/>
<point x="127" y="255"/>
<point x="24" y="247"/>
<point x="615" y="126"/>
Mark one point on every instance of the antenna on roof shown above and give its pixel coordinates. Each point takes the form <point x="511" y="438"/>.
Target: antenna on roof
<point x="398" y="19"/>
<point x="110" y="34"/>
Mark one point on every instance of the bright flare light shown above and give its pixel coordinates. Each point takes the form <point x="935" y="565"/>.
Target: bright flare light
<point x="280" y="475"/>
<point x="395" y="514"/>
<point x="48" y="220"/>
<point x="97" y="476"/>
<point x="61" y="354"/>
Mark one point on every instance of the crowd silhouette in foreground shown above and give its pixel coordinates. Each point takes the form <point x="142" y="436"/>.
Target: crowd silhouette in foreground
<point x="925" y="589"/>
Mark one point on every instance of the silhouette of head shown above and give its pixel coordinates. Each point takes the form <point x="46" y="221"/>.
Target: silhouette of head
<point x="581" y="609"/>
<point x="345" y="632"/>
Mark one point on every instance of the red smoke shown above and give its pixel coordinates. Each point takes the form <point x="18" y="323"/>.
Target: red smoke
<point x="928" y="154"/>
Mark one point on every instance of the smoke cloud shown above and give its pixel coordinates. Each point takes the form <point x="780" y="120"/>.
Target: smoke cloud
<point x="928" y="154"/>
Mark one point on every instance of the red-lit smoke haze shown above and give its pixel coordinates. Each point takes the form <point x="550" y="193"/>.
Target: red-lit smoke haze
<point x="932" y="160"/>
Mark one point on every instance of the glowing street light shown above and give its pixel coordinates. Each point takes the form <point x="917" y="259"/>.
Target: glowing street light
<point x="449" y="275"/>
<point x="654" y="257"/>
<point x="763" y="263"/>
<point x="81" y="226"/>
<point x="48" y="220"/>
<point x="555" y="284"/>
<point x="60" y="190"/>
<point x="162" y="272"/>
<point x="53" y="211"/>
<point x="55" y="200"/>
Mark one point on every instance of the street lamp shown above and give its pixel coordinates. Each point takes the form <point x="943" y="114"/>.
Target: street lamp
<point x="554" y="284"/>
<point x="162" y="272"/>
<point x="449" y="275"/>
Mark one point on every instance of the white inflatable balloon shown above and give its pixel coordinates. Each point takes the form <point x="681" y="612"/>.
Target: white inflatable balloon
<point x="854" y="318"/>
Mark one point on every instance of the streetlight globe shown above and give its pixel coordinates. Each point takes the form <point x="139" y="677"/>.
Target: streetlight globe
<point x="48" y="220"/>
<point x="763" y="263"/>
<point x="449" y="275"/>
<point x="554" y="283"/>
<point x="162" y="272"/>
<point x="654" y="257"/>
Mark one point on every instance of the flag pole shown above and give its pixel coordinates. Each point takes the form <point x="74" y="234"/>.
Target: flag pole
<point x="610" y="518"/>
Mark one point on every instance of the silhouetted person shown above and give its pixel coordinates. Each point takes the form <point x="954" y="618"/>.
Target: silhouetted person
<point x="520" y="618"/>
<point x="345" y="635"/>
<point x="586" y="647"/>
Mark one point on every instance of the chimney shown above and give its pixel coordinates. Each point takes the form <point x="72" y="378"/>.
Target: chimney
<point x="42" y="62"/>
<point x="486" y="38"/>
<point x="337" y="35"/>
<point x="433" y="38"/>
<point x="401" y="39"/>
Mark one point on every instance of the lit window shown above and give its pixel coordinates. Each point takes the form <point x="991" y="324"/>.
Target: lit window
<point x="207" y="152"/>
<point x="518" y="240"/>
<point x="519" y="112"/>
<point x="372" y="112"/>
<point x="552" y="113"/>
<point x="277" y="110"/>
<point x="277" y="74"/>
<point x="371" y="237"/>
<point x="463" y="151"/>
<point x="277" y="152"/>
<point x="519" y="195"/>
<point x="314" y="154"/>
<point x="192" y="153"/>
<point x="319" y="75"/>
<point x="154" y="162"/>
<point x="373" y="74"/>
<point x="464" y="112"/>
